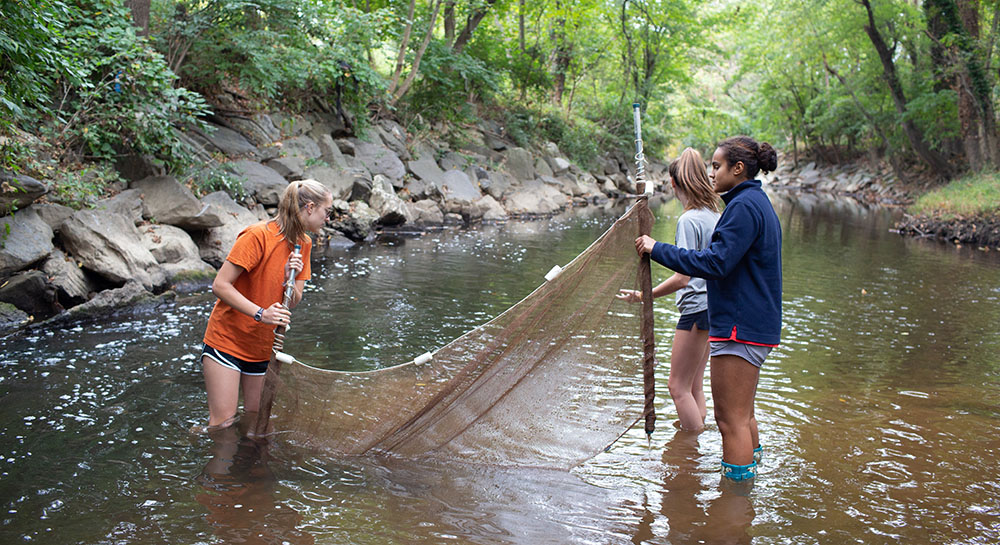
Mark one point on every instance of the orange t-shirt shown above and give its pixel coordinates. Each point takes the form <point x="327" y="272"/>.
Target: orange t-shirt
<point x="263" y="253"/>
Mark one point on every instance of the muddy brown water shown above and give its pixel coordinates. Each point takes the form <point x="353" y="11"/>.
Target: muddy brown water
<point x="878" y="413"/>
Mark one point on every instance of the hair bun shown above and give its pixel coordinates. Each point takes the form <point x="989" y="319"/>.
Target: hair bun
<point x="767" y="157"/>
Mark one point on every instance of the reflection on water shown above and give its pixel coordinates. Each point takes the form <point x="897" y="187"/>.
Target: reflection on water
<point x="878" y="413"/>
<point x="239" y="493"/>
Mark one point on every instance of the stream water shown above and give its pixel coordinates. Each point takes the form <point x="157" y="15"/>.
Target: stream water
<point x="878" y="413"/>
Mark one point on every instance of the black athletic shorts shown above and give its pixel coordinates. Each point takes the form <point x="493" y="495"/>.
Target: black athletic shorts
<point x="699" y="319"/>
<point x="228" y="360"/>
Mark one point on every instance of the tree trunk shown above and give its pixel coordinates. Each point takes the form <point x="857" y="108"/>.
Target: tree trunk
<point x="449" y="21"/>
<point x="140" y="14"/>
<point x="470" y="25"/>
<point x="419" y="55"/>
<point x="936" y="161"/>
<point x="561" y="59"/>
<point x="971" y="81"/>
<point x="401" y="56"/>
<point x="520" y="25"/>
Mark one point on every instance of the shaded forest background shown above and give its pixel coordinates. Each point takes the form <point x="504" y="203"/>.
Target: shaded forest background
<point x="85" y="83"/>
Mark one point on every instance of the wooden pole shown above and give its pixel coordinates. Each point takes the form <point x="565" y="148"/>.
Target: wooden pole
<point x="648" y="341"/>
<point x="645" y="279"/>
<point x="270" y="386"/>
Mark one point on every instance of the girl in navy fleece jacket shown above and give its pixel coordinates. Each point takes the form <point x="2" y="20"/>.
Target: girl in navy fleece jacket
<point x="742" y="266"/>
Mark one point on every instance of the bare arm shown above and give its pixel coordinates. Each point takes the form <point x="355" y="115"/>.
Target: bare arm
<point x="224" y="289"/>
<point x="668" y="286"/>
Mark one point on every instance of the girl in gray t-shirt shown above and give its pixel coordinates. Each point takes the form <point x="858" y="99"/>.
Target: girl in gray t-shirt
<point x="689" y="354"/>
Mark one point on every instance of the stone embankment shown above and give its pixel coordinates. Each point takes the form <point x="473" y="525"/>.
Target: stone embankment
<point x="155" y="235"/>
<point x="877" y="185"/>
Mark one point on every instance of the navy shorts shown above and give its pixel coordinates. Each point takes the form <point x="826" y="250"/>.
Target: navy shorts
<point x="254" y="368"/>
<point x="699" y="319"/>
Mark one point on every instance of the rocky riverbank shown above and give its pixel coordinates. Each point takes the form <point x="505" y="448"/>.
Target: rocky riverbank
<point x="860" y="180"/>
<point x="154" y="235"/>
<point x="878" y="185"/>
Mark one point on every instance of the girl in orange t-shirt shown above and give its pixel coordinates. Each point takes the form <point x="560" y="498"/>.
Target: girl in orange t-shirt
<point x="249" y="286"/>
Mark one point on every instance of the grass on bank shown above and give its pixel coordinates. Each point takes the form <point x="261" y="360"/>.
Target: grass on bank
<point x="971" y="195"/>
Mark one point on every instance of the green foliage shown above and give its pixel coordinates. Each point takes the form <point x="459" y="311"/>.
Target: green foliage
<point x="274" y="50"/>
<point x="87" y="82"/>
<point x="450" y="82"/>
<point x="215" y="178"/>
<point x="82" y="187"/>
<point x="579" y="139"/>
<point x="31" y="58"/>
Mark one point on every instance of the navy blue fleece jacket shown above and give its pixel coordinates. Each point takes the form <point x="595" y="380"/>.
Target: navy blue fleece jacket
<point x="742" y="267"/>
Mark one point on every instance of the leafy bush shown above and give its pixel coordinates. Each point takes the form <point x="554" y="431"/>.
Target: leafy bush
<point x="83" y="186"/>
<point x="273" y="50"/>
<point x="215" y="178"/>
<point x="448" y="82"/>
<point x="84" y="79"/>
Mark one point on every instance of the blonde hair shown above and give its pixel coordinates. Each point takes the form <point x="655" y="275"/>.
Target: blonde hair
<point x="688" y="172"/>
<point x="295" y="197"/>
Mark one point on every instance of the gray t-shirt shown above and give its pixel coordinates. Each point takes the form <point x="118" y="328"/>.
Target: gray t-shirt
<point x="694" y="232"/>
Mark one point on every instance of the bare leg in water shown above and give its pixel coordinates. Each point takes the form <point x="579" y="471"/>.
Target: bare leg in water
<point x="734" y="384"/>
<point x="687" y="377"/>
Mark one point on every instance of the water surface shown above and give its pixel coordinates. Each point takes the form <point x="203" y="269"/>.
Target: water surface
<point x="878" y="413"/>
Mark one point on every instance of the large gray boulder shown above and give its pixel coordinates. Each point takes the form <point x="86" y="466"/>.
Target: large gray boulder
<point x="379" y="159"/>
<point x="339" y="181"/>
<point x="455" y="187"/>
<point x="425" y="169"/>
<point x="128" y="203"/>
<point x="168" y="244"/>
<point x="358" y="223"/>
<point x="559" y="165"/>
<point x="497" y="184"/>
<point x="426" y="212"/>
<point x="12" y="318"/>
<point x="174" y="251"/>
<point x="230" y="142"/>
<point x="112" y="247"/>
<point x="330" y="152"/>
<point x="25" y="239"/>
<point x="165" y="200"/>
<point x="535" y="198"/>
<point x="542" y="168"/>
<point x="303" y="147"/>
<point x="74" y="286"/>
<point x="109" y="301"/>
<point x="461" y="161"/>
<point x="520" y="163"/>
<point x="290" y="168"/>
<point x="31" y="292"/>
<point x="261" y="182"/>
<point x="383" y="201"/>
<point x="291" y="125"/>
<point x="588" y="184"/>
<point x="214" y="244"/>
<point x="258" y="129"/>
<point x="425" y="150"/>
<point x="19" y="191"/>
<point x="566" y="185"/>
<point x="488" y="209"/>
<point x="394" y="137"/>
<point x="54" y="214"/>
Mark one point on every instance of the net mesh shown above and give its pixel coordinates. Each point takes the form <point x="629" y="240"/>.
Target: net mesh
<point x="551" y="382"/>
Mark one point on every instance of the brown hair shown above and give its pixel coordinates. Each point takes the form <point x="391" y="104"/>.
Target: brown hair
<point x="295" y="197"/>
<point x="688" y="172"/>
<point x="755" y="156"/>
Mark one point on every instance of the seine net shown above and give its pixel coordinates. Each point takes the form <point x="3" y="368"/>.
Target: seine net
<point x="551" y="382"/>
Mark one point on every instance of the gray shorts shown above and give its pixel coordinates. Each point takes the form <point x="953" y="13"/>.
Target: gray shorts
<point x="751" y="352"/>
